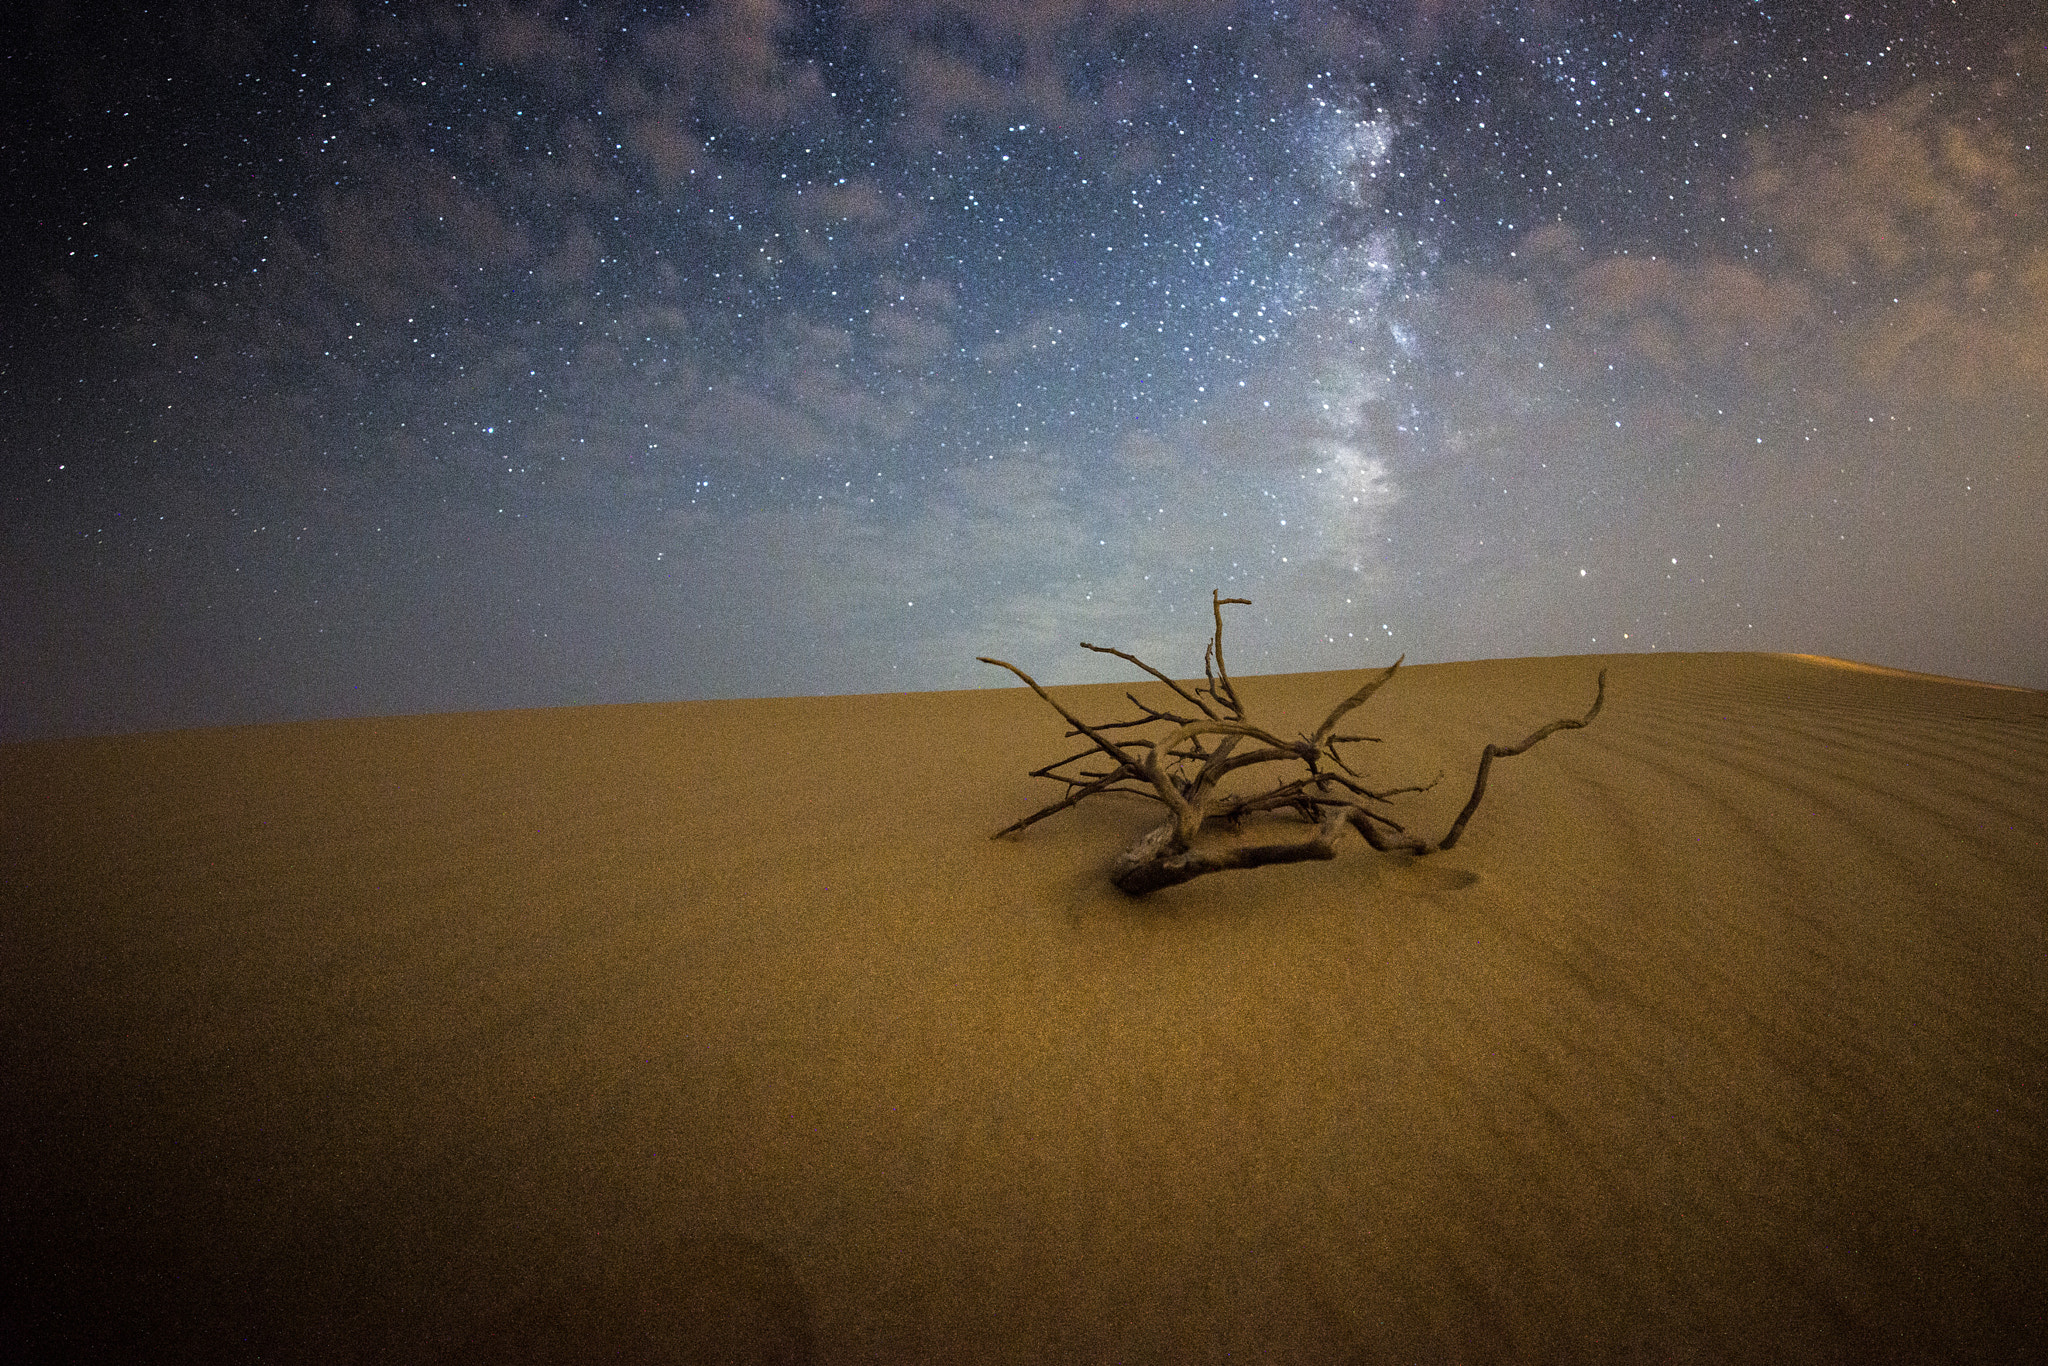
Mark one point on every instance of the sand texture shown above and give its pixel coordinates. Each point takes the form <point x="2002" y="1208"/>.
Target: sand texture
<point x="722" y="1032"/>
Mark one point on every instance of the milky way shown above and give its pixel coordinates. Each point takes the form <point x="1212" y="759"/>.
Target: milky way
<point x="375" y="359"/>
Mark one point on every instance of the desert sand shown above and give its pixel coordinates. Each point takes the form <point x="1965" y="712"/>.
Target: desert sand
<point x="723" y="1032"/>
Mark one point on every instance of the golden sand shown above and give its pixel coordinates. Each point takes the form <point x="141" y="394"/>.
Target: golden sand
<point x="722" y="1032"/>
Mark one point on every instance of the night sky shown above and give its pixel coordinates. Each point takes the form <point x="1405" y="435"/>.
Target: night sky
<point x="387" y="358"/>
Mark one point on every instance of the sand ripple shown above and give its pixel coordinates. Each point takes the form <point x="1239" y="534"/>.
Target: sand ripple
<point x="721" y="1031"/>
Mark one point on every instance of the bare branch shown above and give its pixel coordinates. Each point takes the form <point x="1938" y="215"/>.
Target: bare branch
<point x="1072" y="798"/>
<point x="1109" y="650"/>
<point x="1114" y="750"/>
<point x="1326" y="801"/>
<point x="1229" y="694"/>
<point x="1338" y="759"/>
<point x="1338" y="712"/>
<point x="1386" y="796"/>
<point x="1492" y="752"/>
<point x="1047" y="771"/>
<point x="1154" y="714"/>
<point x="1132" y="724"/>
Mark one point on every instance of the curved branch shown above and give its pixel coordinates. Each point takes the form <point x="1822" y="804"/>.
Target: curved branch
<point x="1492" y="752"/>
<point x="1109" y="650"/>
<point x="1337" y="713"/>
<point x="1115" y="751"/>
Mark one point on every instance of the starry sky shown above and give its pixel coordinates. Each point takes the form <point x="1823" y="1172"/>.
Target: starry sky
<point x="367" y="358"/>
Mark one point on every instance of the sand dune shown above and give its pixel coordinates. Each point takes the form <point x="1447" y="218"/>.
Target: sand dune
<point x="721" y="1031"/>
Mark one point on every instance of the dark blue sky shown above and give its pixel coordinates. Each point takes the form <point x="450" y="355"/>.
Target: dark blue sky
<point x="373" y="358"/>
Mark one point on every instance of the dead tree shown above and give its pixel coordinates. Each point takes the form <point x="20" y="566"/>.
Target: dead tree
<point x="1182" y="769"/>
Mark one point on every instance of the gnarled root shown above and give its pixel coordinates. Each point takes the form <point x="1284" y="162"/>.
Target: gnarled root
<point x="1156" y="861"/>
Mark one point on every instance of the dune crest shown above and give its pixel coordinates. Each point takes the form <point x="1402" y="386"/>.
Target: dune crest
<point x="1835" y="663"/>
